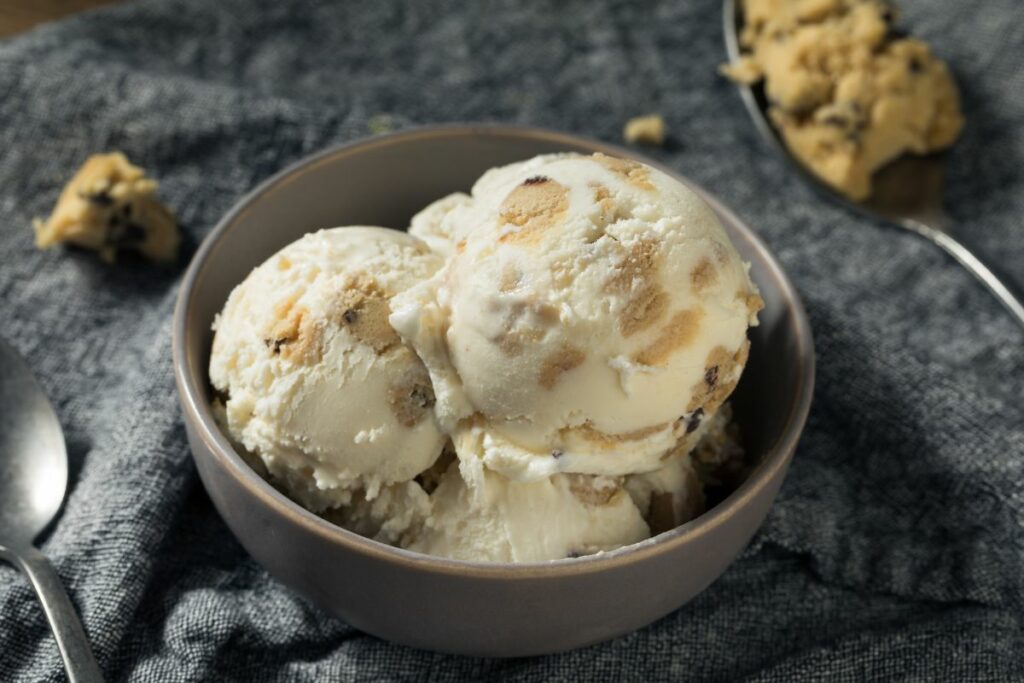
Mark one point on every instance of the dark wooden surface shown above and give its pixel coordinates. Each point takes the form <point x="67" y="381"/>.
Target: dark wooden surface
<point x="20" y="15"/>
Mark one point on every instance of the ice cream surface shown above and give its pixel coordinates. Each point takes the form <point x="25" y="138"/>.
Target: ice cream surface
<point x="478" y="514"/>
<point x="591" y="314"/>
<point x="442" y="223"/>
<point x="523" y="377"/>
<point x="316" y="384"/>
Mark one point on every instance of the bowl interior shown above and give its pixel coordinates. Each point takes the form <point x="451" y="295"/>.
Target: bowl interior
<point x="387" y="180"/>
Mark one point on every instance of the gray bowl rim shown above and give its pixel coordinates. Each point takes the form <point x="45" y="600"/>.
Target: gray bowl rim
<point x="199" y="414"/>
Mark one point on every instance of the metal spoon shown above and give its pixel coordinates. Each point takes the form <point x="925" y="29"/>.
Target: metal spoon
<point x="33" y="480"/>
<point x="906" y="193"/>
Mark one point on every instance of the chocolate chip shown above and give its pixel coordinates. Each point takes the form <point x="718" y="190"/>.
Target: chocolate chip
<point x="693" y="420"/>
<point x="556" y="453"/>
<point x="101" y="198"/>
<point x="124" y="234"/>
<point x="836" y="120"/>
<point x="711" y="376"/>
<point x="536" y="180"/>
<point x="915" y="66"/>
<point x="133" y="232"/>
<point x="422" y="397"/>
<point x="350" y="316"/>
<point x="274" y="344"/>
<point x="573" y="554"/>
<point x="896" y="34"/>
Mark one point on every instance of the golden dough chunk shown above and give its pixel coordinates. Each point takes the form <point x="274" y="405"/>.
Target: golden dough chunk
<point x="537" y="205"/>
<point x="636" y="277"/>
<point x="632" y="172"/>
<point x="846" y="93"/>
<point x="563" y="360"/>
<point x="412" y="397"/>
<point x="645" y="130"/>
<point x="363" y="307"/>
<point x="109" y="206"/>
<point x="679" y="333"/>
<point x="594" y="491"/>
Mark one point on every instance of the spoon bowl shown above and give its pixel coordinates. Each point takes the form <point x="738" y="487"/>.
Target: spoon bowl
<point x="33" y="458"/>
<point x="906" y="193"/>
<point x="33" y="482"/>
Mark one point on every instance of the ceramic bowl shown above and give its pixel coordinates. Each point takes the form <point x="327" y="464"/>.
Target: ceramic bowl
<point x="453" y="606"/>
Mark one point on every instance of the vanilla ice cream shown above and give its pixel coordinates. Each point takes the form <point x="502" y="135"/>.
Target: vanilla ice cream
<point x="592" y="314"/>
<point x="480" y="515"/>
<point x="443" y="222"/>
<point x="395" y="516"/>
<point x="315" y="382"/>
<point x="669" y="496"/>
<point x="535" y="372"/>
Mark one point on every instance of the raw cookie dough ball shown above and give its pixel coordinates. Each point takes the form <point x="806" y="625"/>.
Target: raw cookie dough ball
<point x="110" y="205"/>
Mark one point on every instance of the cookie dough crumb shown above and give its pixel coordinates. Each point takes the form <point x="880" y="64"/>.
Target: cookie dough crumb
<point x="645" y="130"/>
<point x="745" y="71"/>
<point x="110" y="206"/>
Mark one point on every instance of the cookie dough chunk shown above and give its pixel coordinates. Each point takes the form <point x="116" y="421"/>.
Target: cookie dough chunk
<point x="847" y="92"/>
<point x="645" y="130"/>
<point x="109" y="206"/>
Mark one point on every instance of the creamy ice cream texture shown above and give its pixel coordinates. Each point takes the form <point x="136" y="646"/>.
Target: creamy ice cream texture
<point x="317" y="384"/>
<point x="592" y="315"/>
<point x="570" y="330"/>
<point x="478" y="514"/>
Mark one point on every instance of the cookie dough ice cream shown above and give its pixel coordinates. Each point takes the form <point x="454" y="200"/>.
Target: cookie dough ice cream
<point x="847" y="92"/>
<point x="591" y="317"/>
<point x="316" y="384"/>
<point x="522" y="378"/>
<point x="478" y="514"/>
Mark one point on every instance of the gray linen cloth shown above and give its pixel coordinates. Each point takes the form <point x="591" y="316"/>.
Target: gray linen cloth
<point x="896" y="547"/>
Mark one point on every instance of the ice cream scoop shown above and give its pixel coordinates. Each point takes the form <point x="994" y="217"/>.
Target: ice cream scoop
<point x="479" y="515"/>
<point x="314" y="381"/>
<point x="591" y="315"/>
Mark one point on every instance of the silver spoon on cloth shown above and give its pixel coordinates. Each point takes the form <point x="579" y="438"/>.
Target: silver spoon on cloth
<point x="33" y="480"/>
<point x="906" y="193"/>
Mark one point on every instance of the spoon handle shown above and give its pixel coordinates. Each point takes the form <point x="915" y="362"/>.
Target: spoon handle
<point x="79" y="663"/>
<point x="974" y="265"/>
